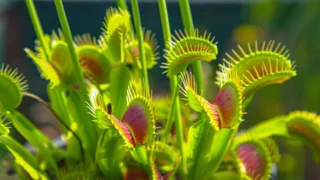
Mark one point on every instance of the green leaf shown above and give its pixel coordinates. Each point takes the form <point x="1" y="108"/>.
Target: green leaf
<point x="76" y="175"/>
<point x="273" y="127"/>
<point x="58" y="101"/>
<point x="119" y="82"/>
<point x="200" y="138"/>
<point x="228" y="175"/>
<point x="82" y="125"/>
<point x="34" y="136"/>
<point x="23" y="157"/>
<point x="221" y="144"/>
<point x="109" y="156"/>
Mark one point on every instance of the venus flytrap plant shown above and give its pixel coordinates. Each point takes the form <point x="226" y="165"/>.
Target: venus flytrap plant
<point x="224" y="112"/>
<point x="108" y="113"/>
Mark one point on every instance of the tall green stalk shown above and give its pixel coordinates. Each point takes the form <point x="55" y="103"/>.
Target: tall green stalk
<point x="69" y="40"/>
<point x="220" y="146"/>
<point x="175" y="108"/>
<point x="89" y="134"/>
<point x="37" y="26"/>
<point x="188" y="26"/>
<point x="122" y="4"/>
<point x="57" y="99"/>
<point x="137" y="24"/>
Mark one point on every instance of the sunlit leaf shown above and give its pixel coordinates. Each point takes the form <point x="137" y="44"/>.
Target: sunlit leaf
<point x="12" y="86"/>
<point x="259" y="67"/>
<point x="23" y="157"/>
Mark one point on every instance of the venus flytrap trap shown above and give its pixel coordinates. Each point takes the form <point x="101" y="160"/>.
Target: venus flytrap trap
<point x="151" y="47"/>
<point x="258" y="67"/>
<point x="116" y="129"/>
<point x="254" y="158"/>
<point x="188" y="48"/>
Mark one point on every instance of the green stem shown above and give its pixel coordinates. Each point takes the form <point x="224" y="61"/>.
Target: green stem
<point x="141" y="153"/>
<point x="57" y="117"/>
<point x="37" y="26"/>
<point x="175" y="108"/>
<point x="164" y="21"/>
<point x="137" y="24"/>
<point x="68" y="38"/>
<point x="178" y="126"/>
<point x="200" y="161"/>
<point x="58" y="102"/>
<point x="122" y="4"/>
<point x="220" y="146"/>
<point x="89" y="133"/>
<point x="188" y="26"/>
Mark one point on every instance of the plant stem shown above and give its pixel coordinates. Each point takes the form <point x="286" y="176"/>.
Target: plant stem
<point x="88" y="132"/>
<point x="33" y="96"/>
<point x="58" y="102"/>
<point x="172" y="112"/>
<point x="37" y="26"/>
<point x="122" y="4"/>
<point x="137" y="24"/>
<point x="220" y="146"/>
<point x="164" y="21"/>
<point x="188" y="26"/>
<point x="175" y="108"/>
<point x="68" y="38"/>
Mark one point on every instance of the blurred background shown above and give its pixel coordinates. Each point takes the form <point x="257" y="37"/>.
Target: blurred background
<point x="295" y="23"/>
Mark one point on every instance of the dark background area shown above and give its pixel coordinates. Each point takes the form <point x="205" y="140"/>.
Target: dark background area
<point x="294" y="23"/>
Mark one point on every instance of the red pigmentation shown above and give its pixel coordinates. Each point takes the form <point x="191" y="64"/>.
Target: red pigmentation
<point x="251" y="159"/>
<point x="226" y="101"/>
<point x="135" y="119"/>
